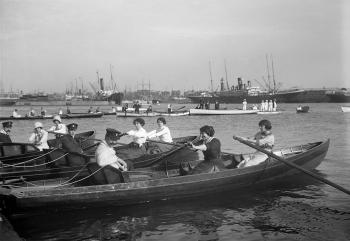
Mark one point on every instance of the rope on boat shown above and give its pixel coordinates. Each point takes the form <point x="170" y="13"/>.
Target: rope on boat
<point x="63" y="183"/>
<point x="19" y="163"/>
<point x="43" y="164"/>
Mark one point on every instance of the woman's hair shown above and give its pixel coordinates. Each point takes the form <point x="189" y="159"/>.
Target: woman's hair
<point x="265" y="123"/>
<point x="207" y="129"/>
<point x="161" y="119"/>
<point x="139" y="120"/>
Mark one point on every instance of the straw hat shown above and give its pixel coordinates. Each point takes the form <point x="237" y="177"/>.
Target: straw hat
<point x="58" y="118"/>
<point x="37" y="125"/>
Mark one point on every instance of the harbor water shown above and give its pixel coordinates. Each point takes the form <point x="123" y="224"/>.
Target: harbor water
<point x="298" y="208"/>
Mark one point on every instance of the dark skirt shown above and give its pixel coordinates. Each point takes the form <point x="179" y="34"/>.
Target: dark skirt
<point x="206" y="166"/>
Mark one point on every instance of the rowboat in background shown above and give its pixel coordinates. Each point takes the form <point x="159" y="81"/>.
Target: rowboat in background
<point x="39" y="117"/>
<point x="147" y="185"/>
<point x="175" y="113"/>
<point x="345" y="108"/>
<point x="303" y="109"/>
<point x="133" y="114"/>
<point x="82" y="115"/>
<point x="221" y="112"/>
<point x="268" y="112"/>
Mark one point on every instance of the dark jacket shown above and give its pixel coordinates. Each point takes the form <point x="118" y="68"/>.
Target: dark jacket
<point x="5" y="138"/>
<point x="70" y="144"/>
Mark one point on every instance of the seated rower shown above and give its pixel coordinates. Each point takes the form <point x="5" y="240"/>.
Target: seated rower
<point x="265" y="139"/>
<point x="69" y="143"/>
<point x="15" y="114"/>
<point x="59" y="128"/>
<point x="137" y="147"/>
<point x="109" y="167"/>
<point x="211" y="148"/>
<point x="139" y="134"/>
<point x="105" y="154"/>
<point x="5" y="132"/>
<point x="39" y="137"/>
<point x="163" y="133"/>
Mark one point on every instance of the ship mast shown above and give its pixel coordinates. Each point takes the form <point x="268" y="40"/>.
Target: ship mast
<point x="273" y="74"/>
<point x="268" y="73"/>
<point x="228" y="87"/>
<point x="211" y="77"/>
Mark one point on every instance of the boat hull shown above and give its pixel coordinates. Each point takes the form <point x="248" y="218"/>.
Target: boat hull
<point x="221" y="112"/>
<point x="345" y="108"/>
<point x="297" y="96"/>
<point x="170" y="188"/>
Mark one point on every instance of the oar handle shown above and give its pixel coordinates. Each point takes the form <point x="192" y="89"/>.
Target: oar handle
<point x="271" y="154"/>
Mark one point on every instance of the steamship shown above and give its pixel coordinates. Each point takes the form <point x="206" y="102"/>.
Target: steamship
<point x="254" y="94"/>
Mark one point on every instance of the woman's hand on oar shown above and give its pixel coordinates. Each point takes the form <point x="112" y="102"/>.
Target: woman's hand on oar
<point x="291" y="164"/>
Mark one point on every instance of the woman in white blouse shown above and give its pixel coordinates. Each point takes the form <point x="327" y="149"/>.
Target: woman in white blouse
<point x="163" y="133"/>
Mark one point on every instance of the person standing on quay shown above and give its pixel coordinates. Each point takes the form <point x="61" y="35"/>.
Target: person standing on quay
<point x="245" y="104"/>
<point x="262" y="105"/>
<point x="274" y="105"/>
<point x="270" y="108"/>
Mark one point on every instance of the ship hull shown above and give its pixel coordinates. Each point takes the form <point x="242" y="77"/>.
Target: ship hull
<point x="7" y="102"/>
<point x="299" y="96"/>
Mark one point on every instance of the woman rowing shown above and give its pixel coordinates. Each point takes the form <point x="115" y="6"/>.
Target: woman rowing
<point x="265" y="139"/>
<point x="39" y="137"/>
<point x="137" y="147"/>
<point x="163" y="133"/>
<point x="211" y="148"/>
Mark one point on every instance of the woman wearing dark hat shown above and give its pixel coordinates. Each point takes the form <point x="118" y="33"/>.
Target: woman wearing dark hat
<point x="211" y="148"/>
<point x="106" y="157"/>
<point x="5" y="132"/>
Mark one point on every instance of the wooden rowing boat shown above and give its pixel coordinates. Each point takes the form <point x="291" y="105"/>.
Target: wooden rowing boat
<point x="303" y="109"/>
<point x="64" y="116"/>
<point x="345" y="108"/>
<point x="175" y="113"/>
<point x="82" y="115"/>
<point x="133" y="114"/>
<point x="268" y="112"/>
<point x="144" y="187"/>
<point x="39" y="117"/>
<point x="221" y="112"/>
<point x="54" y="163"/>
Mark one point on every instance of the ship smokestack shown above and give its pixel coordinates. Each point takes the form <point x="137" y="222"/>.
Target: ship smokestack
<point x="101" y="84"/>
<point x="222" y="86"/>
<point x="240" y="85"/>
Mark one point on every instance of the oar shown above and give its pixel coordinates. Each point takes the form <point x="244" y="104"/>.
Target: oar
<point x="179" y="108"/>
<point x="271" y="154"/>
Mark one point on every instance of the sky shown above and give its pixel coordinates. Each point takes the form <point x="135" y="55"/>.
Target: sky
<point x="52" y="45"/>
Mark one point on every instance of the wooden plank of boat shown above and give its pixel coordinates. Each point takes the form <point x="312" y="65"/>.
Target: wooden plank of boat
<point x="221" y="112"/>
<point x="345" y="108"/>
<point x="308" y="156"/>
<point x="39" y="117"/>
<point x="142" y="114"/>
<point x="87" y="115"/>
<point x="268" y="112"/>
